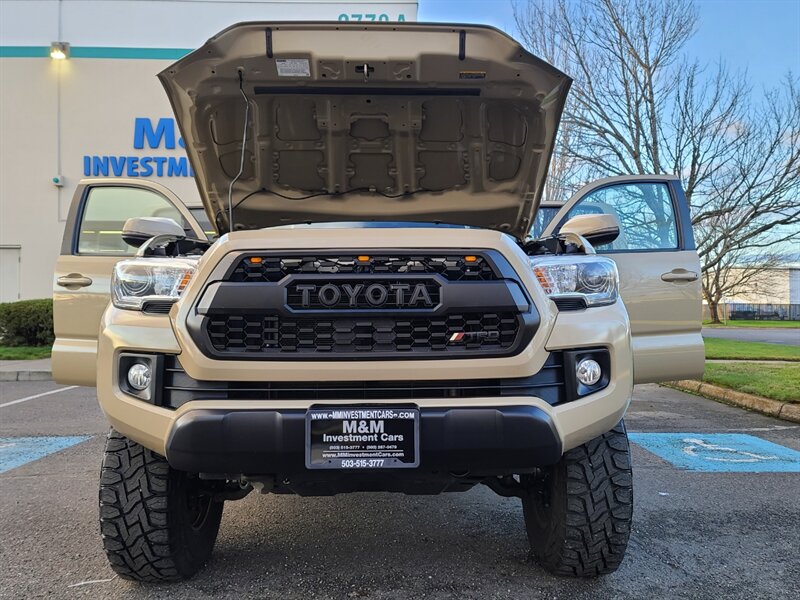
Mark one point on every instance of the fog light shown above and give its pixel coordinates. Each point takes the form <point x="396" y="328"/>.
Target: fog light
<point x="588" y="371"/>
<point x="139" y="376"/>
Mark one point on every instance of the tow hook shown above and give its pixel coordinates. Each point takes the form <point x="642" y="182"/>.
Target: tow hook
<point x="506" y="486"/>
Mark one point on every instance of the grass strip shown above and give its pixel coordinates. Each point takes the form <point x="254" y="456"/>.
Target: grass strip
<point x="778" y="382"/>
<point x="737" y="350"/>
<point x="24" y="352"/>
<point x="757" y="324"/>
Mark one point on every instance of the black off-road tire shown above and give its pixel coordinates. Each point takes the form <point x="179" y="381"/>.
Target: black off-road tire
<point x="157" y="524"/>
<point x="578" y="512"/>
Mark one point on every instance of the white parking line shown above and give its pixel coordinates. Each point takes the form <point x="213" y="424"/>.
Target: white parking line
<point x="773" y="428"/>
<point x="35" y="396"/>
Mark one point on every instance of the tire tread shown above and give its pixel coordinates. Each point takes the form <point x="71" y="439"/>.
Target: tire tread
<point x="599" y="509"/>
<point x="134" y="483"/>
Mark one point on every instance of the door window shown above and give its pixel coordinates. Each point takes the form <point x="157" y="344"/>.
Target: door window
<point x="107" y="209"/>
<point x="645" y="212"/>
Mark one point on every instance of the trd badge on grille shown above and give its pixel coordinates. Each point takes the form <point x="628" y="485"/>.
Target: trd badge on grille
<point x="471" y="336"/>
<point x="364" y="295"/>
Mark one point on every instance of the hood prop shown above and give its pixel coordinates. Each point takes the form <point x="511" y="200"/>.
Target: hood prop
<point x="244" y="148"/>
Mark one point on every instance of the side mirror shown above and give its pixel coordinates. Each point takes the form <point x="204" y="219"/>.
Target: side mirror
<point x="597" y="229"/>
<point x="138" y="230"/>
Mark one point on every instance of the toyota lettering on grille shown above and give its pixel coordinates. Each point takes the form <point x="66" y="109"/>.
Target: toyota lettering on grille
<point x="354" y="295"/>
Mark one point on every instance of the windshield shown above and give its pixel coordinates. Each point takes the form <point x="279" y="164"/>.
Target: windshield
<point x="370" y="225"/>
<point x="199" y="213"/>
<point x="542" y="219"/>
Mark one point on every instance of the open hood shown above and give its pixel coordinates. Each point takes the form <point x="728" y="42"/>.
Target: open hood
<point x="367" y="122"/>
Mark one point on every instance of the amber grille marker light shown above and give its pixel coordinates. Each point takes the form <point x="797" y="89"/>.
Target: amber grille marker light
<point x="470" y="259"/>
<point x="256" y="260"/>
<point x="363" y="258"/>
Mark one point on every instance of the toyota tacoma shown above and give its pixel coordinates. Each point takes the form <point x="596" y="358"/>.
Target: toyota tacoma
<point x="374" y="315"/>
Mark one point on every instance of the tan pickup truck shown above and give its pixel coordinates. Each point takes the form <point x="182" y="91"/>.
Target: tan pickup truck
<point x="374" y="315"/>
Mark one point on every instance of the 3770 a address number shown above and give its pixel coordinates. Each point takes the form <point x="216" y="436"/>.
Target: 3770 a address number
<point x="370" y="17"/>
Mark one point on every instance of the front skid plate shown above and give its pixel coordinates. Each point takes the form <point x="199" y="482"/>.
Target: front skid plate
<point x="458" y="442"/>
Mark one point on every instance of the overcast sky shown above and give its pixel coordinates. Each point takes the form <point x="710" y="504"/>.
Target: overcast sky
<point x="762" y="36"/>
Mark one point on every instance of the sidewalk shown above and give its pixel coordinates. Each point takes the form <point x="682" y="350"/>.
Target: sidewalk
<point x="25" y="370"/>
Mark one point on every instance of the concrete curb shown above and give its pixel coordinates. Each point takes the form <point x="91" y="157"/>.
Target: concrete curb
<point x="766" y="406"/>
<point x="26" y="375"/>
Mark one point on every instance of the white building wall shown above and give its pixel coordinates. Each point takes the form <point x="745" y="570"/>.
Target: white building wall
<point x="53" y="114"/>
<point x="169" y="23"/>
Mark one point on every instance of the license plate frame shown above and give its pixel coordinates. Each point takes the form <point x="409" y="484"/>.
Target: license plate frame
<point x="349" y="454"/>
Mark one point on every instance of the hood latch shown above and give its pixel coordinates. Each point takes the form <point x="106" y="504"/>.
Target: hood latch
<point x="365" y="70"/>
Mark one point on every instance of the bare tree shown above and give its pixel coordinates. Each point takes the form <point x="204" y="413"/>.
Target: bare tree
<point x="751" y="207"/>
<point x="639" y="105"/>
<point x="564" y="165"/>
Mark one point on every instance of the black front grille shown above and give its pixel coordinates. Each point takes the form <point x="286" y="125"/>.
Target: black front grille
<point x="451" y="267"/>
<point x="548" y="384"/>
<point x="256" y="335"/>
<point x="403" y="305"/>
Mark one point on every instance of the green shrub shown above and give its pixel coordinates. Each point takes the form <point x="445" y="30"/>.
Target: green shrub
<point x="27" y="323"/>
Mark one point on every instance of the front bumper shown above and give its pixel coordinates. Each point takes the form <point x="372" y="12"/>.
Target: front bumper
<point x="153" y="426"/>
<point x="463" y="441"/>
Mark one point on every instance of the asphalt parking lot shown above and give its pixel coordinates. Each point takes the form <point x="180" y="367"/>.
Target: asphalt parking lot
<point x="697" y="533"/>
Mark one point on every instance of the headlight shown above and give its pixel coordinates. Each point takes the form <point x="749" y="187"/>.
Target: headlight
<point x="593" y="278"/>
<point x="141" y="280"/>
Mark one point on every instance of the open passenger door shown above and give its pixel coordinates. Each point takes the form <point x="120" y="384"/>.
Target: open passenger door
<point x="659" y="269"/>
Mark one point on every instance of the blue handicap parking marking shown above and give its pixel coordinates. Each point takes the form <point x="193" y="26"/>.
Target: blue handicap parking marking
<point x="720" y="452"/>
<point x="15" y="452"/>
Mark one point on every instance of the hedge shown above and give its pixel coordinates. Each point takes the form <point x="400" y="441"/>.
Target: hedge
<point x="27" y="323"/>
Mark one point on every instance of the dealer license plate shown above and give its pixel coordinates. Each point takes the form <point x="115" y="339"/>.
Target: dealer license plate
<point x="362" y="438"/>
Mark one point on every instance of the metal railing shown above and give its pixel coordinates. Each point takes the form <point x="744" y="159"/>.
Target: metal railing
<point x="738" y="311"/>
